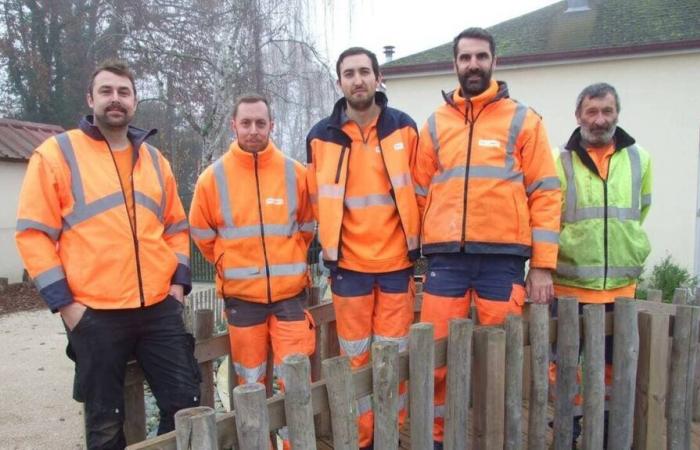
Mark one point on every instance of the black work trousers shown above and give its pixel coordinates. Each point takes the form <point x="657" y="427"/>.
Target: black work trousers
<point x="102" y="343"/>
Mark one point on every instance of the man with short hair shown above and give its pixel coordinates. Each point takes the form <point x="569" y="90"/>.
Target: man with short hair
<point x="359" y="177"/>
<point x="606" y="186"/>
<point x="103" y="234"/>
<point x="489" y="193"/>
<point x="251" y="218"/>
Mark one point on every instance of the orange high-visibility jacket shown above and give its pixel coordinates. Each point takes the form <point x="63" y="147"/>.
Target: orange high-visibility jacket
<point x="251" y="218"/>
<point x="486" y="181"/>
<point x="328" y="153"/>
<point x="74" y="231"/>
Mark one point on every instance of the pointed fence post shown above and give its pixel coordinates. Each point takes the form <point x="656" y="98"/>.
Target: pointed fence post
<point x="514" y="384"/>
<point x="252" y="421"/>
<point x="593" y="376"/>
<point x="204" y="329"/>
<point x="421" y="362"/>
<point x="567" y="367"/>
<point x="538" y="328"/>
<point x="195" y="429"/>
<point x="459" y="362"/>
<point x="298" y="410"/>
<point x="341" y="401"/>
<point x="385" y="394"/>
<point x="625" y="359"/>
<point x="489" y="398"/>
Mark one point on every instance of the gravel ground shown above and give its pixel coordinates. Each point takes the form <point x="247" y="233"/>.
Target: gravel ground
<point x="37" y="410"/>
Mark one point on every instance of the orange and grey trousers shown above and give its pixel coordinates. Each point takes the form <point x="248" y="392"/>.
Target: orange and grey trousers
<point x="372" y="307"/>
<point x="496" y="285"/>
<point x="251" y="326"/>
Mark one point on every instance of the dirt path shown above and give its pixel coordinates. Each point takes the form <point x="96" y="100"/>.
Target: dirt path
<point x="36" y="378"/>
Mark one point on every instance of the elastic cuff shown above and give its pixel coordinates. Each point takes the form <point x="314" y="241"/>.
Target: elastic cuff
<point x="183" y="277"/>
<point x="57" y="295"/>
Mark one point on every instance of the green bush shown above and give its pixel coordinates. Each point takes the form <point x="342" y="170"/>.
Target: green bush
<point x="667" y="276"/>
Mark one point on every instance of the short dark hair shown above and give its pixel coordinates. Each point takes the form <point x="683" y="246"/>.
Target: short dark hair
<point x="597" y="90"/>
<point x="352" y="51"/>
<point x="252" y="98"/>
<point x="474" y="33"/>
<point x="116" y="66"/>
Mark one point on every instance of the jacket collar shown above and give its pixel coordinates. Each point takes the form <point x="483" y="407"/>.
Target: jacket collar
<point x="136" y="136"/>
<point x="338" y="115"/>
<point x="248" y="159"/>
<point x="497" y="90"/>
<point x="621" y="137"/>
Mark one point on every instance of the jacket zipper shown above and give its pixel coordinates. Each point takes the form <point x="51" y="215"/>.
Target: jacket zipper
<point x="605" y="228"/>
<point x="466" y="177"/>
<point x="132" y="225"/>
<point x="262" y="230"/>
<point x="340" y="164"/>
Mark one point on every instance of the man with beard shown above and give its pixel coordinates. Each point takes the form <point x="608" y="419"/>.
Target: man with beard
<point x="103" y="234"/>
<point x="606" y="189"/>
<point x="486" y="183"/>
<point x="359" y="178"/>
<point x="251" y="218"/>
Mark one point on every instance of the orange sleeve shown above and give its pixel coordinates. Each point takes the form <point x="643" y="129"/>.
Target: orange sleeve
<point x="425" y="166"/>
<point x="305" y="214"/>
<point x="202" y="219"/>
<point x="312" y="187"/>
<point x="176" y="230"/>
<point x="544" y="195"/>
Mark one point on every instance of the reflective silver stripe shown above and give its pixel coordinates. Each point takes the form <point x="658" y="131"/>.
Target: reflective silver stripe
<point x="330" y="254"/>
<point x="420" y="190"/>
<point x="432" y="129"/>
<point x="156" y="166"/>
<point x="598" y="212"/>
<point x="355" y="348"/>
<point x="48" y="277"/>
<point x="202" y="233"/>
<point x="254" y="230"/>
<point x="646" y="200"/>
<point x="569" y="271"/>
<point x="147" y="202"/>
<point x="540" y="235"/>
<point x="636" y="169"/>
<point x="369" y="200"/>
<point x="331" y="191"/>
<point x="176" y="227"/>
<point x="412" y="242"/>
<point x="76" y="183"/>
<point x="290" y="177"/>
<point x="516" y="126"/>
<point x="402" y="341"/>
<point x="276" y="270"/>
<point x="401" y="180"/>
<point x="26" y="224"/>
<point x="182" y="259"/>
<point x="439" y="411"/>
<point x="251" y="375"/>
<point x="222" y="188"/>
<point x="83" y="212"/>
<point x="544" y="184"/>
<point x="460" y="172"/>
<point x="364" y="404"/>
<point x="568" y="166"/>
<point x="308" y="227"/>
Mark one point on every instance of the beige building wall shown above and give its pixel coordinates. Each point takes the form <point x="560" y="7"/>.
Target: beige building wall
<point x="11" y="175"/>
<point x="660" y="98"/>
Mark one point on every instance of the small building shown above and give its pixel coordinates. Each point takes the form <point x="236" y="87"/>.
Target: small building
<point x="17" y="142"/>
<point x="649" y="50"/>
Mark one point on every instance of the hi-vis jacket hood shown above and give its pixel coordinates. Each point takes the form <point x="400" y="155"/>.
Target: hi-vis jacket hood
<point x="328" y="156"/>
<point x="74" y="231"/>
<point x="251" y="218"/>
<point x="485" y="179"/>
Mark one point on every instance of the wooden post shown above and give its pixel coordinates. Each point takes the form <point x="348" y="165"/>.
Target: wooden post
<point x="593" y="376"/>
<point x="195" y="429"/>
<point x="459" y="362"/>
<point x="204" y="329"/>
<point x="625" y="357"/>
<point x="650" y="396"/>
<point x="298" y="410"/>
<point x="567" y="367"/>
<point x="341" y="401"/>
<point x="681" y="296"/>
<point x="385" y="398"/>
<point x="134" y="405"/>
<point x="421" y="363"/>
<point x="252" y="422"/>
<point x="685" y="343"/>
<point x="655" y="295"/>
<point x="489" y="376"/>
<point x="539" y="357"/>
<point x="514" y="383"/>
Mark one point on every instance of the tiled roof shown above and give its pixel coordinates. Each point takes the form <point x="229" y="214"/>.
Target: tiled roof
<point x="19" y="139"/>
<point x="609" y="27"/>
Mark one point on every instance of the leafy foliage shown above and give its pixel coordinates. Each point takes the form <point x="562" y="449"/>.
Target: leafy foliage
<point x="668" y="275"/>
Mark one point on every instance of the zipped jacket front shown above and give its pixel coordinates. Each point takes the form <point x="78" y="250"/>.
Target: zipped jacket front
<point x="251" y="218"/>
<point x="74" y="231"/>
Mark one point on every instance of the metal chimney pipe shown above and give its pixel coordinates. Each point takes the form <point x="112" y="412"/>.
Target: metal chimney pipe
<point x="577" y="5"/>
<point x="389" y="53"/>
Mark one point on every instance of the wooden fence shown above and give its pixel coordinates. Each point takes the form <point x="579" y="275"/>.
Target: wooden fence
<point x="651" y="405"/>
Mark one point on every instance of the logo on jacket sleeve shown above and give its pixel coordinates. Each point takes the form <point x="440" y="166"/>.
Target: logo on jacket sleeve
<point x="274" y="201"/>
<point x="398" y="146"/>
<point x="489" y="143"/>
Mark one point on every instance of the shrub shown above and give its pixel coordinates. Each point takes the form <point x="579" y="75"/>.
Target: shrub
<point x="667" y="276"/>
